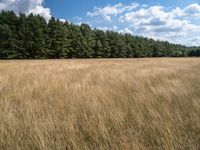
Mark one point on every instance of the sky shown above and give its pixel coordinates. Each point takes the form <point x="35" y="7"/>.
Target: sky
<point x="177" y="21"/>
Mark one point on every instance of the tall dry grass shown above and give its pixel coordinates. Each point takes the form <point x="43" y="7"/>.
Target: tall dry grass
<point x="124" y="104"/>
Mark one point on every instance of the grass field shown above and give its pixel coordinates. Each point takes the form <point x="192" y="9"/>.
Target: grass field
<point x="139" y="104"/>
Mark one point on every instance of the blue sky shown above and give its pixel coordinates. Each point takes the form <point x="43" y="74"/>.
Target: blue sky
<point x="71" y="8"/>
<point x="177" y="21"/>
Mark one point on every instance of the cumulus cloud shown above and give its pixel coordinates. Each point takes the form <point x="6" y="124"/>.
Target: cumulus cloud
<point x="62" y="20"/>
<point x="155" y="20"/>
<point x="126" y="30"/>
<point x="175" y="25"/>
<point x="192" y="10"/>
<point x="45" y="12"/>
<point x="26" y="6"/>
<point x="77" y="18"/>
<point x="108" y="11"/>
<point x="105" y="28"/>
<point x="116" y="28"/>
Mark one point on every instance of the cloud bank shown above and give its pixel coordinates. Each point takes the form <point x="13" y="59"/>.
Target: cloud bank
<point x="177" y="25"/>
<point x="26" y="6"/>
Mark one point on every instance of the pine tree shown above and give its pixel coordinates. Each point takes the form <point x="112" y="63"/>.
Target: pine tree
<point x="102" y="48"/>
<point x="24" y="37"/>
<point x="87" y="41"/>
<point x="75" y="44"/>
<point x="8" y="38"/>
<point x="37" y="28"/>
<point x="57" y="39"/>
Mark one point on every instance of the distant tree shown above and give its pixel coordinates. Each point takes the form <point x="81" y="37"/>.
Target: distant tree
<point x="30" y="36"/>
<point x="87" y="41"/>
<point x="37" y="28"/>
<point x="8" y="35"/>
<point x="194" y="52"/>
<point x="57" y="39"/>
<point x="75" y="41"/>
<point x="116" y="43"/>
<point x="23" y="33"/>
<point x="102" y="48"/>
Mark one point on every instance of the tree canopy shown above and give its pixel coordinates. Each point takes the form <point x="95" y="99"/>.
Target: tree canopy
<point x="31" y="37"/>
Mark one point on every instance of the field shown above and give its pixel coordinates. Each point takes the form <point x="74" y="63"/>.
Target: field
<point x="139" y="104"/>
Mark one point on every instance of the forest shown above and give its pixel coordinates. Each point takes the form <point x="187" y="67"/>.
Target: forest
<point x="32" y="37"/>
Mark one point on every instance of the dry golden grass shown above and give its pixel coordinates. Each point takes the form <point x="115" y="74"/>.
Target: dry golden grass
<point x="124" y="104"/>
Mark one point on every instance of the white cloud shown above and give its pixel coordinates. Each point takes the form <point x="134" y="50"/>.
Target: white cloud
<point x="115" y="28"/>
<point x="157" y="22"/>
<point x="177" y="12"/>
<point x="104" y="28"/>
<point x="77" y="18"/>
<point x="193" y="10"/>
<point x="62" y="20"/>
<point x="126" y="30"/>
<point x="26" y="6"/>
<point x="45" y="12"/>
<point x="108" y="11"/>
<point x="177" y="25"/>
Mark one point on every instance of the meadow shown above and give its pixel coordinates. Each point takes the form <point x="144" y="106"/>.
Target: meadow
<point x="89" y="104"/>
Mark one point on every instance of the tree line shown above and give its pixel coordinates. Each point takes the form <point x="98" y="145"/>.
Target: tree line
<point x="32" y="37"/>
